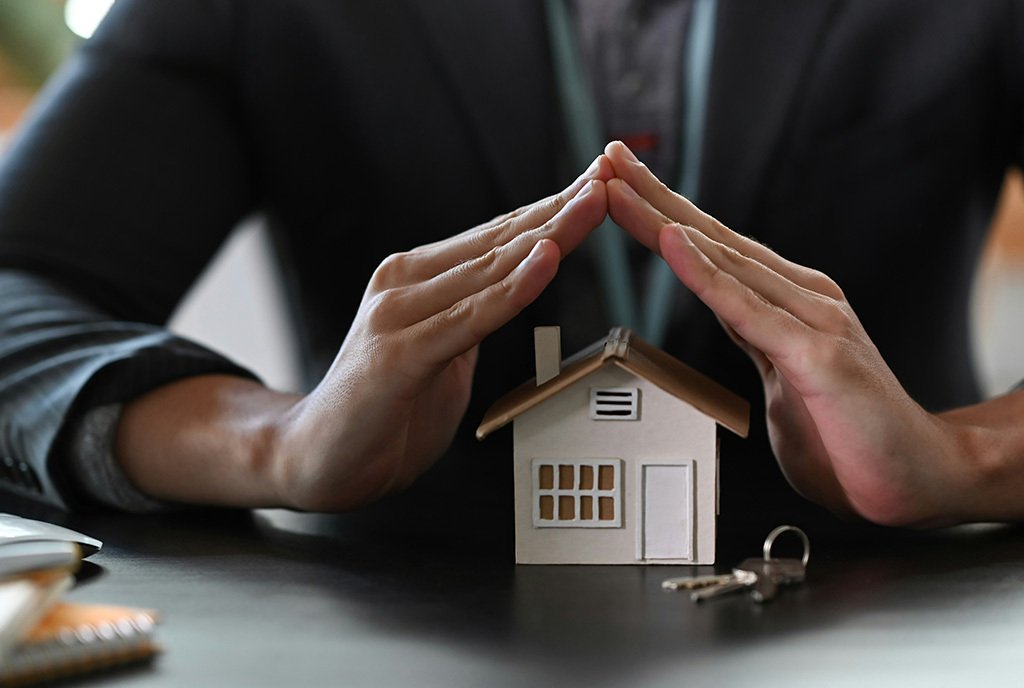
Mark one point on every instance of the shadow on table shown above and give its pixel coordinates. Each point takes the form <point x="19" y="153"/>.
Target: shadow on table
<point x="609" y="625"/>
<point x="429" y="579"/>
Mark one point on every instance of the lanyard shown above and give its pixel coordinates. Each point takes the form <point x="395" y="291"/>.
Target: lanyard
<point x="586" y="141"/>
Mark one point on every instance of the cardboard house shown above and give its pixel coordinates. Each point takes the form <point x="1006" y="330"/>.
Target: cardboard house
<point x="615" y="454"/>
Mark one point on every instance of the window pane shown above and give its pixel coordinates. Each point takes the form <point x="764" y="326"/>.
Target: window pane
<point x="606" y="478"/>
<point x="547" y="477"/>
<point x="565" y="477"/>
<point x="547" y="508"/>
<point x="607" y="508"/>
<point x="587" y="508"/>
<point x="586" y="477"/>
<point x="566" y="508"/>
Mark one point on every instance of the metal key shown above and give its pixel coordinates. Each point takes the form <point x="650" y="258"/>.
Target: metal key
<point x="734" y="582"/>
<point x="772" y="573"/>
<point x="762" y="577"/>
<point x="695" y="582"/>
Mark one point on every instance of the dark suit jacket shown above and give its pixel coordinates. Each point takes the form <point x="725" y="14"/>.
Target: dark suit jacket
<point x="866" y="138"/>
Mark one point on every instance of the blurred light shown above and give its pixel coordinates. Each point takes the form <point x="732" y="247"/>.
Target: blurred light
<point x="83" y="16"/>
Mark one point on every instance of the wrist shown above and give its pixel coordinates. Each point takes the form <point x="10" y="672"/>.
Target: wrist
<point x="989" y="460"/>
<point x="205" y="440"/>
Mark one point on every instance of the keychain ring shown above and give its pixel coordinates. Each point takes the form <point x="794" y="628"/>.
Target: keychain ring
<point x="772" y="536"/>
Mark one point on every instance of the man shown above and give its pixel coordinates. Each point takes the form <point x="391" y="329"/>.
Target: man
<point x="866" y="140"/>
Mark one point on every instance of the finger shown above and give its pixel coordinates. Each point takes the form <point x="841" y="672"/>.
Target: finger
<point x="756" y="320"/>
<point x="638" y="217"/>
<point x="465" y="324"/>
<point x="428" y="260"/>
<point x="641" y="181"/>
<point x="629" y="169"/>
<point x="644" y="222"/>
<point x="409" y="304"/>
<point x="814" y="309"/>
<point x="601" y="168"/>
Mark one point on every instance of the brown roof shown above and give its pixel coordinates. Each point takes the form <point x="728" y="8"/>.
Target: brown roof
<point x="623" y="348"/>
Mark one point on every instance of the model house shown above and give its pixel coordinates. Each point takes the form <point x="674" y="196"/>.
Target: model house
<point x="616" y="454"/>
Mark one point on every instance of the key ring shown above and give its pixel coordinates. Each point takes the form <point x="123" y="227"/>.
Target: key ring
<point x="772" y="536"/>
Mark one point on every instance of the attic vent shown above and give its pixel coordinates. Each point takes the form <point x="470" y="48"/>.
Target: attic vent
<point x="614" y="403"/>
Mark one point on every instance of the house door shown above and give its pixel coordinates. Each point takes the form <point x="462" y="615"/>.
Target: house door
<point x="668" y="511"/>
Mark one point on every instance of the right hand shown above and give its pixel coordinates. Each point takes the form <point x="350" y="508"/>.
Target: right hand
<point x="391" y="402"/>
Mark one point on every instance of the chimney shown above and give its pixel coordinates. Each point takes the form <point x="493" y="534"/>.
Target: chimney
<point x="547" y="344"/>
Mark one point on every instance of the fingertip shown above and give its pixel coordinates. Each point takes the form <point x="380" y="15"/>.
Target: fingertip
<point x="543" y="250"/>
<point x="540" y="264"/>
<point x="617" y="149"/>
<point x="546" y="245"/>
<point x="673" y="238"/>
<point x="621" y="187"/>
<point x="618" y="197"/>
<point x="605" y="170"/>
<point x="594" y="193"/>
<point x="615" y="155"/>
<point x="601" y="168"/>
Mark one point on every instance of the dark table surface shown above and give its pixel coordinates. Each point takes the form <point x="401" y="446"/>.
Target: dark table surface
<point x="275" y="598"/>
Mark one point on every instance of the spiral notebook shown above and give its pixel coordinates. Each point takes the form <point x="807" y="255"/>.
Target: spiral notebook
<point x="23" y="603"/>
<point x="73" y="639"/>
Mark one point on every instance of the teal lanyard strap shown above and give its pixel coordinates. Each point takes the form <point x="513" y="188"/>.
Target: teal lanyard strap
<point x="587" y="142"/>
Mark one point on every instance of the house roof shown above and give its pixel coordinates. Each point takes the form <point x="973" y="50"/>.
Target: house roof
<point x="624" y="349"/>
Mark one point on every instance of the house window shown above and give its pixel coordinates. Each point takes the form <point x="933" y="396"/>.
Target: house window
<point x="583" y="493"/>
<point x="614" y="403"/>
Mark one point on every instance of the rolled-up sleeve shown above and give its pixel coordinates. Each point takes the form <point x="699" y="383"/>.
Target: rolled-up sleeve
<point x="130" y="171"/>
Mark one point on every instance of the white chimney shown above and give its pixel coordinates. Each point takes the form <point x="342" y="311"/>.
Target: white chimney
<point x="547" y="345"/>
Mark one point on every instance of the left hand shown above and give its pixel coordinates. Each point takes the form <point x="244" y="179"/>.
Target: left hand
<point x="844" y="431"/>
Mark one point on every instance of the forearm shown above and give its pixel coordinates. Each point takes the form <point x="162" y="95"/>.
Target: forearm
<point x="390" y="404"/>
<point x="989" y="478"/>
<point x="205" y="440"/>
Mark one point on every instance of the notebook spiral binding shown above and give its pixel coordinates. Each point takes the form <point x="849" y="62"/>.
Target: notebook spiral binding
<point x="82" y="648"/>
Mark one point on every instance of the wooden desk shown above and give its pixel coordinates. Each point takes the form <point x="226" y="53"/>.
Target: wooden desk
<point x="280" y="599"/>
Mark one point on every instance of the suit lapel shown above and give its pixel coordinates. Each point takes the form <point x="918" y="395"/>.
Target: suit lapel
<point x="495" y="54"/>
<point x="762" y="51"/>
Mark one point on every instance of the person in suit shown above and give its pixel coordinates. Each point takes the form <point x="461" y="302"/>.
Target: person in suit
<point x="866" y="141"/>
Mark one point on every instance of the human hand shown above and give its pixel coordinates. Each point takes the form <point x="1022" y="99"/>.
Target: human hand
<point x="844" y="431"/>
<point x="400" y="384"/>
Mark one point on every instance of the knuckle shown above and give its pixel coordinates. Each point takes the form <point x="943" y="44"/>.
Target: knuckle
<point x="662" y="189"/>
<point x="733" y="258"/>
<point x="841" y="321"/>
<point x="380" y="309"/>
<point x="505" y="217"/>
<point x="555" y="203"/>
<point x="392" y="270"/>
<point x="824" y="284"/>
<point x="459" y="314"/>
<point x="482" y="264"/>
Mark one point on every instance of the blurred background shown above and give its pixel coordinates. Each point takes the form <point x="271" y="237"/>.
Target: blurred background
<point x="237" y="306"/>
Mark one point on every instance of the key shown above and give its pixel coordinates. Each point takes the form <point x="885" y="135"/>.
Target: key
<point x="695" y="582"/>
<point x="772" y="571"/>
<point x="771" y="574"/>
<point x="761" y="576"/>
<point x="736" y="581"/>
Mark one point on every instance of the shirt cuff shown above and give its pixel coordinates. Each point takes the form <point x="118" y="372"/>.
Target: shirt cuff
<point x="90" y="457"/>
